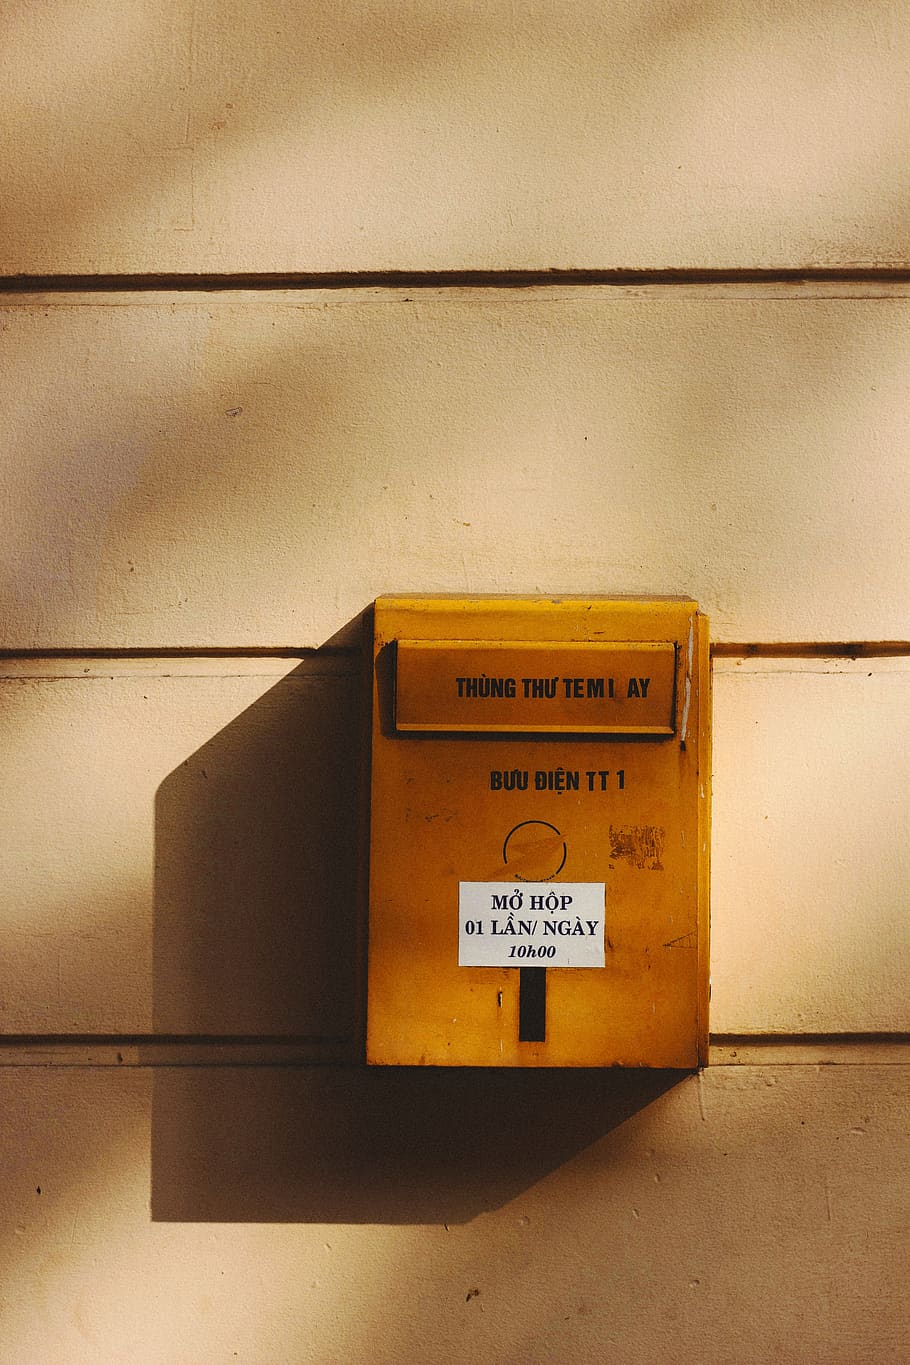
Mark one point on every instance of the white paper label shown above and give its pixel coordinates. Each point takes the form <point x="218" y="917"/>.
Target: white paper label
<point x="525" y="924"/>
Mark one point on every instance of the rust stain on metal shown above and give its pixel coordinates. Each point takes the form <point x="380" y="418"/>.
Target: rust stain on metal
<point x="641" y="845"/>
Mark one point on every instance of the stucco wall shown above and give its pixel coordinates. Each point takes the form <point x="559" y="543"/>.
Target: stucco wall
<point x="205" y="487"/>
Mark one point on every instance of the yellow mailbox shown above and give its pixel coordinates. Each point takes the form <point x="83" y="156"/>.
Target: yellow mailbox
<point x="539" y="805"/>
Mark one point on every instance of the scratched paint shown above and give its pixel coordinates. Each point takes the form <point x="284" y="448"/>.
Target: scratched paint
<point x="640" y="845"/>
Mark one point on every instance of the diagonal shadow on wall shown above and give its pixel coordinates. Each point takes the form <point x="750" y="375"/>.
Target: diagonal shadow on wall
<point x="373" y="1145"/>
<point x="256" y="949"/>
<point x="256" y="862"/>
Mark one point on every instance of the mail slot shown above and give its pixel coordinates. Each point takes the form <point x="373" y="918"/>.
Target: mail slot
<point x="538" y="832"/>
<point x="551" y="687"/>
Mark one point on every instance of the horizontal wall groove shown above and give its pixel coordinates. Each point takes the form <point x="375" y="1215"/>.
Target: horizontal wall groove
<point x="176" y="1050"/>
<point x="757" y="1039"/>
<point x="796" y="649"/>
<point x="131" y="1051"/>
<point x="189" y="652"/>
<point x="8" y="1040"/>
<point x="768" y="1039"/>
<point x="809" y="649"/>
<point x="450" y="279"/>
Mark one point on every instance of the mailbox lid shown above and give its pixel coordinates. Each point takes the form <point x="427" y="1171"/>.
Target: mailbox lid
<point x="535" y="687"/>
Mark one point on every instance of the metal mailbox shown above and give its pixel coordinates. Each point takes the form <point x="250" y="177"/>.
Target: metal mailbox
<point x="539" y="807"/>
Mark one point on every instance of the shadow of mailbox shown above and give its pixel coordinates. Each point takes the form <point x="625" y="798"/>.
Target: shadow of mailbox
<point x="256" y="943"/>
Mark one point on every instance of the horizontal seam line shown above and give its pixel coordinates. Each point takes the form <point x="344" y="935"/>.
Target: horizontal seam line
<point x="807" y="649"/>
<point x="449" y="279"/>
<point x="806" y="1039"/>
<point x="187" y="652"/>
<point x="16" y="1040"/>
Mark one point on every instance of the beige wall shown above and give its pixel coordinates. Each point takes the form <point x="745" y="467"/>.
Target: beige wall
<point x="203" y="489"/>
<point x="166" y="135"/>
